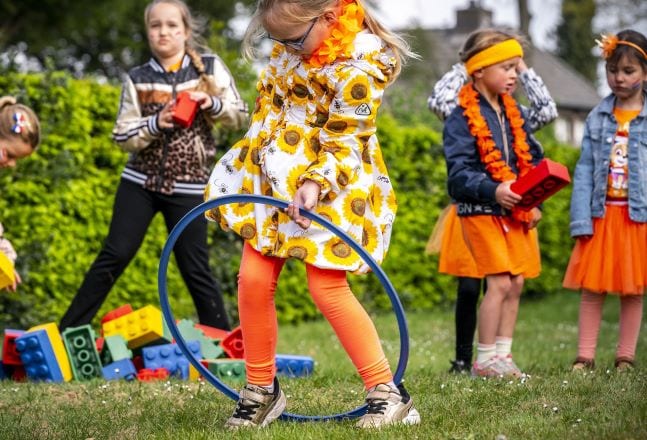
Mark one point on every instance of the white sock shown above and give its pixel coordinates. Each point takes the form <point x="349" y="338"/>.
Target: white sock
<point x="485" y="352"/>
<point x="503" y="346"/>
<point x="269" y="388"/>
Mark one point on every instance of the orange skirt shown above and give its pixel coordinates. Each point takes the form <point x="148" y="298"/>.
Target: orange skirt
<point x="614" y="260"/>
<point x="455" y="257"/>
<point x="502" y="245"/>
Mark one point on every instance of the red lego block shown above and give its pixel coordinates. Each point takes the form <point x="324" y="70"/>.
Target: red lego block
<point x="541" y="182"/>
<point x="19" y="374"/>
<point x="9" y="354"/>
<point x="150" y="375"/>
<point x="99" y="342"/>
<point x="212" y="332"/>
<point x="185" y="110"/>
<point x="114" y="314"/>
<point x="233" y="344"/>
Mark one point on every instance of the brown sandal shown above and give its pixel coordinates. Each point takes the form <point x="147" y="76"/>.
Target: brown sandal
<point x="624" y="364"/>
<point x="583" y="364"/>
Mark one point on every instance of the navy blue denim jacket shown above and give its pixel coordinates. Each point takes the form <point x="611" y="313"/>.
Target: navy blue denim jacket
<point x="469" y="184"/>
<point x="592" y="170"/>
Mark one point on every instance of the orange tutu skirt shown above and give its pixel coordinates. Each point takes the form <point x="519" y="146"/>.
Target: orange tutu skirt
<point x="614" y="260"/>
<point x="455" y="257"/>
<point x="502" y="245"/>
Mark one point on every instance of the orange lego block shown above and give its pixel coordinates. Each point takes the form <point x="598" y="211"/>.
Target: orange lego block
<point x="59" y="348"/>
<point x="138" y="328"/>
<point x="541" y="182"/>
<point x="7" y="275"/>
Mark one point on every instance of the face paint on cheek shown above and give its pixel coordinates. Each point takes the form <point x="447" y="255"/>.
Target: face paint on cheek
<point x="638" y="85"/>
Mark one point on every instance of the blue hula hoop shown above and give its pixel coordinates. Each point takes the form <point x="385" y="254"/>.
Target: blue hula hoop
<point x="246" y="198"/>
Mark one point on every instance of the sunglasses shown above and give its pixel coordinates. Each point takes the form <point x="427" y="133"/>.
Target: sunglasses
<point x="295" y="43"/>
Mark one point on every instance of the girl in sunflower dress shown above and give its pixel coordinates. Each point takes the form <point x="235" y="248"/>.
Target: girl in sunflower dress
<point x="312" y="142"/>
<point x="487" y="145"/>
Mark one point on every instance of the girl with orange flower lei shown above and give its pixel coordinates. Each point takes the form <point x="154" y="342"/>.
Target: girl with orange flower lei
<point x="487" y="148"/>
<point x="312" y="142"/>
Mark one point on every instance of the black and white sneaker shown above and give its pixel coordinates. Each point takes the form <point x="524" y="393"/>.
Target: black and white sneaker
<point x="386" y="406"/>
<point x="257" y="407"/>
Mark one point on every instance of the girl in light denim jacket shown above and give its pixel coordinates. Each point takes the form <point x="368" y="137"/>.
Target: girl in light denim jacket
<point x="609" y="203"/>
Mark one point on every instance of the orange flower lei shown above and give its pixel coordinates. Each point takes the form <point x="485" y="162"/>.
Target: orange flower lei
<point x="340" y="42"/>
<point x="490" y="155"/>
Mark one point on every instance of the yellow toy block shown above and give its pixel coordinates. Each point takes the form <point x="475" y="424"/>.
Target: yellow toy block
<point x="138" y="328"/>
<point x="193" y="373"/>
<point x="7" y="276"/>
<point x="59" y="349"/>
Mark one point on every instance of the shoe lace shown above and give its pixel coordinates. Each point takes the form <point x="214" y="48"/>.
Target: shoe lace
<point x="245" y="411"/>
<point x="376" y="406"/>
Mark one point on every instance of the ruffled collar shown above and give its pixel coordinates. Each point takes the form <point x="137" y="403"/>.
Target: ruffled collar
<point x="340" y="42"/>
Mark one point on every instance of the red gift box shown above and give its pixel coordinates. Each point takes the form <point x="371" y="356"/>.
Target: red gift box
<point x="185" y="110"/>
<point x="541" y="182"/>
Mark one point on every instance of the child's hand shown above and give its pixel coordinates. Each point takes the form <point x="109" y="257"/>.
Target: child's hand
<point x="202" y="98"/>
<point x="165" y="116"/>
<point x="505" y="196"/>
<point x="536" y="218"/>
<point x="16" y="281"/>
<point x="522" y="66"/>
<point x="306" y="197"/>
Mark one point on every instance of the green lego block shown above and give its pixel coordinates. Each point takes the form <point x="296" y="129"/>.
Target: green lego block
<point x="209" y="349"/>
<point x="227" y="368"/>
<point x="82" y="351"/>
<point x="115" y="348"/>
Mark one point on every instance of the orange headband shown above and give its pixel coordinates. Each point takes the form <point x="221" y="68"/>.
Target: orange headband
<point x="608" y="44"/>
<point x="494" y="54"/>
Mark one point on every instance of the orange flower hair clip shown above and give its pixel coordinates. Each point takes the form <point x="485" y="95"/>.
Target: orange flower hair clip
<point x="608" y="43"/>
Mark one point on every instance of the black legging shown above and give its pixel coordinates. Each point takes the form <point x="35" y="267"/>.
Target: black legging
<point x="469" y="290"/>
<point x="133" y="212"/>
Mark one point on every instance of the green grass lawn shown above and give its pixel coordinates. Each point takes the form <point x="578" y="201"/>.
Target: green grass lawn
<point x="552" y="403"/>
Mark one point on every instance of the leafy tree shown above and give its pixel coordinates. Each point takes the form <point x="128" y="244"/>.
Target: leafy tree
<point x="622" y="14"/>
<point x="575" y="37"/>
<point x="104" y="36"/>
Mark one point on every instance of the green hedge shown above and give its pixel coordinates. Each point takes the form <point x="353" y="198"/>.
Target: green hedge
<point x="56" y="208"/>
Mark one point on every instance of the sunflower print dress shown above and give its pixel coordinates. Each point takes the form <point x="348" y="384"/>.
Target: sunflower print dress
<point x="313" y="123"/>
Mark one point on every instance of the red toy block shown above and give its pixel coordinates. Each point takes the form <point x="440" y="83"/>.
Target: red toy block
<point x="541" y="182"/>
<point x="99" y="342"/>
<point x="212" y="332"/>
<point x="9" y="354"/>
<point x="233" y="344"/>
<point x="138" y="362"/>
<point x="149" y="375"/>
<point x="19" y="374"/>
<point x="114" y="314"/>
<point x="185" y="110"/>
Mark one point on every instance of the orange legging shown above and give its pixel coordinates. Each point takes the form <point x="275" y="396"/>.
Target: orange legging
<point x="330" y="291"/>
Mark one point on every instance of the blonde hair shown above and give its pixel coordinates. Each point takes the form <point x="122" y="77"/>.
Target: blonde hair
<point x="195" y="44"/>
<point x="303" y="11"/>
<point x="29" y="133"/>
<point x="481" y="39"/>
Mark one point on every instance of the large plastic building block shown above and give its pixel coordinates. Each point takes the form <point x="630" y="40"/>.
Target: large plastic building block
<point x="122" y="369"/>
<point x="208" y="347"/>
<point x="226" y="368"/>
<point x="233" y="344"/>
<point x="38" y="356"/>
<point x="170" y="356"/>
<point x="82" y="352"/>
<point x="9" y="354"/>
<point x="59" y="348"/>
<point x="541" y="182"/>
<point x="3" y="371"/>
<point x="212" y="332"/>
<point x="294" y="366"/>
<point x="115" y="313"/>
<point x="115" y="348"/>
<point x="185" y="110"/>
<point x="7" y="274"/>
<point x="148" y="375"/>
<point x="139" y="327"/>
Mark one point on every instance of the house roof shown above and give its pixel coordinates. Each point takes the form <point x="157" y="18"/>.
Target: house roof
<point x="569" y="88"/>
